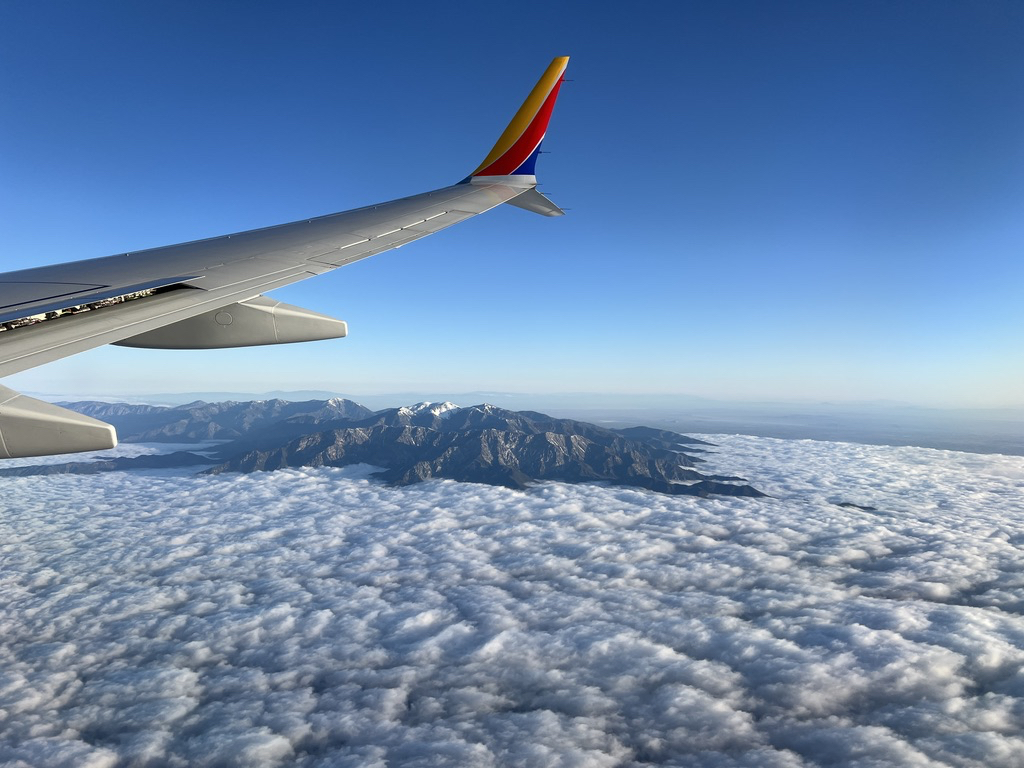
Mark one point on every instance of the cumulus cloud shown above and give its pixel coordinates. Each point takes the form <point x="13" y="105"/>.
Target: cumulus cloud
<point x="868" y="613"/>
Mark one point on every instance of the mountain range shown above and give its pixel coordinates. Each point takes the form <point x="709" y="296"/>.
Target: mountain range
<point x="480" y="443"/>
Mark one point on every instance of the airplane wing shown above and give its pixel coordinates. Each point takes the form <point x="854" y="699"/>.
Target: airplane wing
<point x="209" y="293"/>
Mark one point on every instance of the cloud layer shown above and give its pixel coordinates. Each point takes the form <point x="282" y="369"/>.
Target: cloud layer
<point x="869" y="613"/>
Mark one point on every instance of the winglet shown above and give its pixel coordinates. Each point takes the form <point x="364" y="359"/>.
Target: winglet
<point x="516" y="152"/>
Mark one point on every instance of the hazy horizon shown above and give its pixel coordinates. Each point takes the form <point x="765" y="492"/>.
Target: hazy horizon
<point x="580" y="398"/>
<point x="982" y="430"/>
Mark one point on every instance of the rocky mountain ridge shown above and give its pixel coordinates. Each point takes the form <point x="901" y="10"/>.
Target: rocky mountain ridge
<point x="481" y="443"/>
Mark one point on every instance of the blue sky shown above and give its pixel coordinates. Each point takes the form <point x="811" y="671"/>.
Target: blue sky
<point x="766" y="200"/>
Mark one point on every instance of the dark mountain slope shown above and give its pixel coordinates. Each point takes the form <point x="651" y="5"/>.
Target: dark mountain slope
<point x="480" y="444"/>
<point x="485" y="444"/>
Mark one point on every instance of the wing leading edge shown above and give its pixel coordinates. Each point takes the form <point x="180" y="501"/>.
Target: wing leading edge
<point x="208" y="293"/>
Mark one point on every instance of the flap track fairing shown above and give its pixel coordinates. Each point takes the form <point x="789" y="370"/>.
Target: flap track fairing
<point x="249" y="323"/>
<point x="30" y="427"/>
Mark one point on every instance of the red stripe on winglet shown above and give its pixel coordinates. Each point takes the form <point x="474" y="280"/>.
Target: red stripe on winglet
<point x="517" y="154"/>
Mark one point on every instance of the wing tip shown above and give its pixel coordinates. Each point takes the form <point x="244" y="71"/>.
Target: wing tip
<point x="515" y="153"/>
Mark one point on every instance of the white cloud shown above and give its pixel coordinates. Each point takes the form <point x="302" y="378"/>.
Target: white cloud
<point x="315" y="617"/>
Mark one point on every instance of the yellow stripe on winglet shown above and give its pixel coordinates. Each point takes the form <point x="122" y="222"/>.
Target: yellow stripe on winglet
<point x="526" y="112"/>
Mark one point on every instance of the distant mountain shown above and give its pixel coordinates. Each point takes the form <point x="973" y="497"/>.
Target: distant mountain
<point x="481" y="444"/>
<point x="213" y="421"/>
